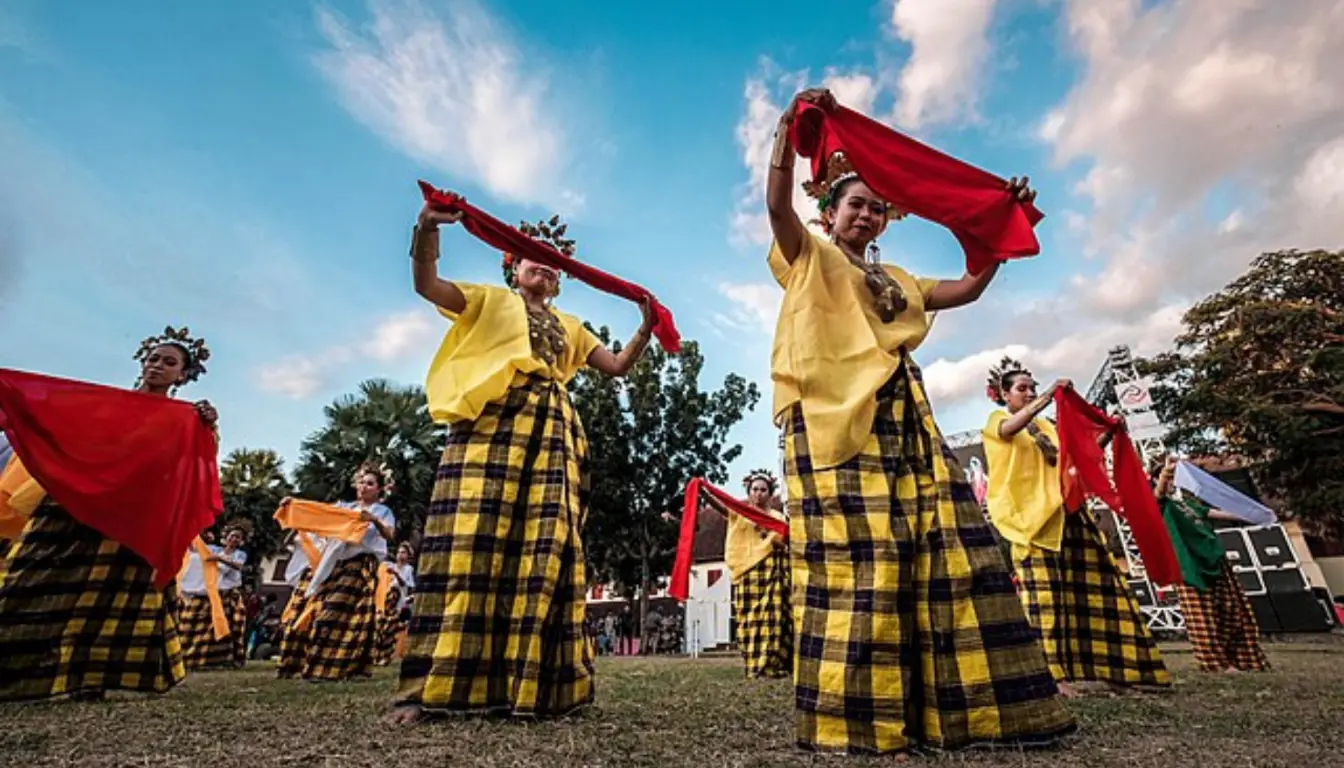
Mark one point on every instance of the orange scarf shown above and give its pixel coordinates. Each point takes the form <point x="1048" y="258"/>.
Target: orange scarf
<point x="210" y="571"/>
<point x="19" y="496"/>
<point x="315" y="517"/>
<point x="382" y="587"/>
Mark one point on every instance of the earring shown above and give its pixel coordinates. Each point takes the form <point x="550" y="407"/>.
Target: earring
<point x="874" y="252"/>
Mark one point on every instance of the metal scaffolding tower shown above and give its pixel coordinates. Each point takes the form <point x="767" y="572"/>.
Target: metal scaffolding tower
<point x="1162" y="610"/>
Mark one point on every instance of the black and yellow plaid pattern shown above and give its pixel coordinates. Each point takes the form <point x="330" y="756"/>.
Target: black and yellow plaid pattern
<point x="338" y="643"/>
<point x="390" y="627"/>
<point x="909" y="633"/>
<point x="200" y="649"/>
<point x="498" y="618"/>
<point x="79" y="614"/>
<point x="765" y="618"/>
<point x="1222" y="627"/>
<point x="1088" y="621"/>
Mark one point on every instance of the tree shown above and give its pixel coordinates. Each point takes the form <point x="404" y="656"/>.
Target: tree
<point x="388" y="425"/>
<point x="648" y="435"/>
<point x="253" y="482"/>
<point x="1259" y="371"/>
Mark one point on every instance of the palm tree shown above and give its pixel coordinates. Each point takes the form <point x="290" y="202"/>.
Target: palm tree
<point x="384" y="423"/>
<point x="253" y="483"/>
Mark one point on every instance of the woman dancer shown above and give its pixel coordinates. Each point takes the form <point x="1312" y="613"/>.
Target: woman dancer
<point x="1218" y="617"/>
<point x="395" y="617"/>
<point x="759" y="561"/>
<point x="79" y="613"/>
<point x="1074" y="595"/>
<point x="200" y="649"/>
<point x="908" y="630"/>
<point x="497" y="625"/>
<point x="334" y="625"/>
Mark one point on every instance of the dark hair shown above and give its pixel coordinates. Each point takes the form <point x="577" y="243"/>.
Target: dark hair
<point x="369" y="468"/>
<point x="838" y="191"/>
<point x="1006" y="383"/>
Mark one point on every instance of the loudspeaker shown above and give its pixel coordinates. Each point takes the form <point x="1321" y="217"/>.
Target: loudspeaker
<point x="1265" y="617"/>
<point x="1143" y="593"/>
<point x="1250" y="582"/>
<point x="1272" y="547"/>
<point x="1238" y="550"/>
<point x="1284" y="581"/>
<point x="1299" y="612"/>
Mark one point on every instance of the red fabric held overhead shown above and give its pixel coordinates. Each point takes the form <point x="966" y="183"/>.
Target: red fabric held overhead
<point x="139" y="469"/>
<point x="508" y="239"/>
<point x="679" y="588"/>
<point x="1082" y="472"/>
<point x="989" y="222"/>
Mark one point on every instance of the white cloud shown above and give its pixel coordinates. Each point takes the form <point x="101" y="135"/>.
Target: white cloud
<point x="766" y="95"/>
<point x="449" y="88"/>
<point x="949" y="45"/>
<point x="755" y="306"/>
<point x="393" y="338"/>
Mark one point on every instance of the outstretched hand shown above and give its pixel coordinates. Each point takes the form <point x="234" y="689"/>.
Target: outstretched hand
<point x="432" y="217"/>
<point x="818" y="97"/>
<point x="1019" y="189"/>
<point x="209" y="416"/>
<point x="648" y="316"/>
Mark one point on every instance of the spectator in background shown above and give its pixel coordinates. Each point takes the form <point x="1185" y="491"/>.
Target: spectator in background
<point x="653" y="627"/>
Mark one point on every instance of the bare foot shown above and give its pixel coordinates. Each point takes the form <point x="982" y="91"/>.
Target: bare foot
<point x="901" y="757"/>
<point x="1067" y="691"/>
<point x="1232" y="671"/>
<point x="405" y="715"/>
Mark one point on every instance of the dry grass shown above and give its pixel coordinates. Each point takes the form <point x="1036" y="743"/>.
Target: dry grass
<point x="665" y="713"/>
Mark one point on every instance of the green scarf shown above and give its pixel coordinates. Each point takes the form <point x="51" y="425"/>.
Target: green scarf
<point x="1198" y="549"/>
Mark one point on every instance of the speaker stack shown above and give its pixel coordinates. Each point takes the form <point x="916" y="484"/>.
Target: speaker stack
<point x="1263" y="561"/>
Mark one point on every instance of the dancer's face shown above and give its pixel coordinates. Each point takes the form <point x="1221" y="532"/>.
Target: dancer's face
<point x="537" y="279"/>
<point x="162" y="368"/>
<point x="403" y="555"/>
<point x="759" y="493"/>
<point x="367" y="488"/>
<point x="1021" y="391"/>
<point x="858" y="216"/>
<point x="234" y="540"/>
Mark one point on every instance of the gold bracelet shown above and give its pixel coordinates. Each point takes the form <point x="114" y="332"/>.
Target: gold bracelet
<point x="781" y="152"/>
<point x="424" y="244"/>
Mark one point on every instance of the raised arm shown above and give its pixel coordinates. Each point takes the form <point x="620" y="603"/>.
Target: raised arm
<point x="619" y="364"/>
<point x="1018" y="421"/>
<point x="785" y="225"/>
<point x="425" y="261"/>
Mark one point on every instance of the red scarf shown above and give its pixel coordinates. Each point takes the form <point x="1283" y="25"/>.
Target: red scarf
<point x="681" y="568"/>
<point x="499" y="235"/>
<point x="137" y="468"/>
<point x="991" y="225"/>
<point x="1082" y="471"/>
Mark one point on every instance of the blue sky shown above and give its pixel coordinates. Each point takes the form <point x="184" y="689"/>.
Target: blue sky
<point x="248" y="169"/>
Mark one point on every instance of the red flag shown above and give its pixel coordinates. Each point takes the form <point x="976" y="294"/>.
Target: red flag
<point x="508" y="239"/>
<point x="679" y="587"/>
<point x="1082" y="470"/>
<point x="139" y="469"/>
<point x="988" y="221"/>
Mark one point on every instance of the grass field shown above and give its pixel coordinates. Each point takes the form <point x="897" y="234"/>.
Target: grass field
<point x="666" y="712"/>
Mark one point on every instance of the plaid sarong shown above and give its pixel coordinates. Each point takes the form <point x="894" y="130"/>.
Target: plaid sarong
<point x="1088" y="621"/>
<point x="1221" y="626"/>
<point x="498" y="617"/>
<point x="338" y="643"/>
<point x="200" y="650"/>
<point x="765" y="618"/>
<point x="390" y="627"/>
<point x="79" y="614"/>
<point x="909" y="632"/>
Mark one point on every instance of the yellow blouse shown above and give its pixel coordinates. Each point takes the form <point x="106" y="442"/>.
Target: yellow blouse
<point x="746" y="545"/>
<point x="1025" y="501"/>
<point x="832" y="353"/>
<point x="488" y="350"/>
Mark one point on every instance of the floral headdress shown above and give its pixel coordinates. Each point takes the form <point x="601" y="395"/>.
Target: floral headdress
<point x="194" y="349"/>
<point x="241" y="525"/>
<point x="838" y="171"/>
<point x="761" y="474"/>
<point x="380" y="471"/>
<point x="1007" y="368"/>
<point x="550" y="231"/>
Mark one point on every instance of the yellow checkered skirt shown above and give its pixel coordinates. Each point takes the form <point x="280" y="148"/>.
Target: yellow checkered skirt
<point x="200" y="649"/>
<point x="497" y="624"/>
<point x="909" y="633"/>
<point x="764" y="617"/>
<point x="1080" y="606"/>
<point x="79" y="614"/>
<point x="1221" y="626"/>
<point x="336" y="642"/>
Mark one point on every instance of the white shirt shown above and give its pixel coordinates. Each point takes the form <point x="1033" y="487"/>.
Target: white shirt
<point x="407" y="584"/>
<point x="230" y="578"/>
<point x="193" y="578"/>
<point x="373" y="543"/>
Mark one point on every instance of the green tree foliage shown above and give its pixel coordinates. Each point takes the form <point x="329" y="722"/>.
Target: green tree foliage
<point x="1259" y="371"/>
<point x="253" y="483"/>
<point x="649" y="434"/>
<point x="388" y="425"/>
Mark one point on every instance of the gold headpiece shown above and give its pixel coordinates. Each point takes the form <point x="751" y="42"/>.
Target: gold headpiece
<point x="549" y="231"/>
<point x="761" y="474"/>
<point x="838" y="171"/>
